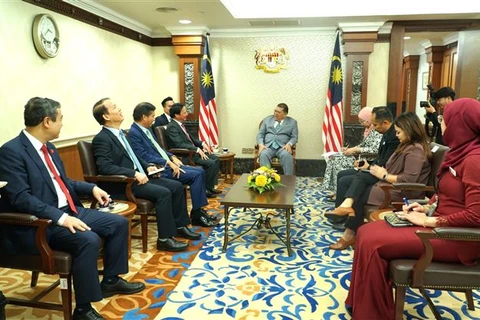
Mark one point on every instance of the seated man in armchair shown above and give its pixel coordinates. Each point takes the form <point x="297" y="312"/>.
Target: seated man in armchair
<point x="276" y="137"/>
<point x="37" y="184"/>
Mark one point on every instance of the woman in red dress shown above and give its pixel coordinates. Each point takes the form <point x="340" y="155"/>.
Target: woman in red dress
<point x="370" y="295"/>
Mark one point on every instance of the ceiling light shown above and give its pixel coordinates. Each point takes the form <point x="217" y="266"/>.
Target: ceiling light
<point x="185" y="21"/>
<point x="407" y="38"/>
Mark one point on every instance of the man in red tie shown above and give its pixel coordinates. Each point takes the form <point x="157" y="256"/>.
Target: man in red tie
<point x="38" y="185"/>
<point x="179" y="137"/>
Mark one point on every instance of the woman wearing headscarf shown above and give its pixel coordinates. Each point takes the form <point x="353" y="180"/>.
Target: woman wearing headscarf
<point x="344" y="160"/>
<point x="370" y="295"/>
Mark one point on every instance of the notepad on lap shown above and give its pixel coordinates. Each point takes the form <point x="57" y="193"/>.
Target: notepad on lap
<point x="393" y="220"/>
<point x="155" y="171"/>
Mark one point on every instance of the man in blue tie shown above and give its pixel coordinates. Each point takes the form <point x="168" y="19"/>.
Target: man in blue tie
<point x="147" y="148"/>
<point x="276" y="137"/>
<point x="114" y="156"/>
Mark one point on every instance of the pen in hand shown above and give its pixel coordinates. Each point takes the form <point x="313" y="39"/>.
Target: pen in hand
<point x="406" y="201"/>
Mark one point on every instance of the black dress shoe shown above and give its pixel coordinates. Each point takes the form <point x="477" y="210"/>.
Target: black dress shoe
<point x="92" y="314"/>
<point x="121" y="287"/>
<point x="209" y="217"/>
<point x="3" y="303"/>
<point x="203" y="221"/>
<point x="349" y="309"/>
<point x="186" y="233"/>
<point x="215" y="191"/>
<point x="211" y="195"/>
<point x="171" y="245"/>
<point x="336" y="219"/>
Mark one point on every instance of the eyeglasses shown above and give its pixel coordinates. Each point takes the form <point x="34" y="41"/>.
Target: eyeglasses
<point x="362" y="121"/>
<point x="440" y="118"/>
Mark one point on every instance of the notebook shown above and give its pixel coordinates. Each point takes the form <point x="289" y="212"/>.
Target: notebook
<point x="393" y="220"/>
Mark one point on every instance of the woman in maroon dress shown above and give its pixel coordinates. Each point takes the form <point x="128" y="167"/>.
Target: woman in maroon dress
<point x="370" y="295"/>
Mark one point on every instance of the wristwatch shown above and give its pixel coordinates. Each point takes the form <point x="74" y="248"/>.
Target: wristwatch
<point x="384" y="178"/>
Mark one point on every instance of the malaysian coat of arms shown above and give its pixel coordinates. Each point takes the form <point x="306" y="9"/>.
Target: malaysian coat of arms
<point x="271" y="60"/>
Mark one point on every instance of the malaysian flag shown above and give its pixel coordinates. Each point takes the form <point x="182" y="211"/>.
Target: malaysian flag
<point x="332" y="122"/>
<point x="208" y="129"/>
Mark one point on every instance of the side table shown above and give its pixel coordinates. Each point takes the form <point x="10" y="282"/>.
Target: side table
<point x="3" y="300"/>
<point x="128" y="213"/>
<point x="379" y="214"/>
<point x="226" y="160"/>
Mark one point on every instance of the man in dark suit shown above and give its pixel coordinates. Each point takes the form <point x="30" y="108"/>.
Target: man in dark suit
<point x="443" y="96"/>
<point x="38" y="185"/>
<point x="179" y="137"/>
<point x="276" y="137"/>
<point x="146" y="147"/>
<point x="114" y="156"/>
<point x="164" y="119"/>
<point x="353" y="181"/>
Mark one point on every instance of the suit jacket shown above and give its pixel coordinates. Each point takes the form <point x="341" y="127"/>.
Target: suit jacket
<point x="30" y="188"/>
<point x="388" y="145"/>
<point x="287" y="133"/>
<point x="410" y="166"/>
<point x="178" y="139"/>
<point x="143" y="147"/>
<point x="161" y="120"/>
<point x="110" y="156"/>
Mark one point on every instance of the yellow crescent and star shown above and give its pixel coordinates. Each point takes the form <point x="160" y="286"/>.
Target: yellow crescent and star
<point x="207" y="77"/>
<point x="337" y="71"/>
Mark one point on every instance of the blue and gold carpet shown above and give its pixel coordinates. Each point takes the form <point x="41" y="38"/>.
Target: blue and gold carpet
<point x="253" y="279"/>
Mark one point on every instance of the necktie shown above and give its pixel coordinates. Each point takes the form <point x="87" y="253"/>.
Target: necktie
<point x="186" y="132"/>
<point x="157" y="146"/>
<point x="58" y="179"/>
<point x="131" y="154"/>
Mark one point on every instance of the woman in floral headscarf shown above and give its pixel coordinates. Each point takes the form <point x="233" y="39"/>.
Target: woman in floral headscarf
<point x="344" y="160"/>
<point x="370" y="295"/>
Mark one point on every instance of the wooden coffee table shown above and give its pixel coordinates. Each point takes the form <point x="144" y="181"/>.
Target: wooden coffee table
<point x="240" y="196"/>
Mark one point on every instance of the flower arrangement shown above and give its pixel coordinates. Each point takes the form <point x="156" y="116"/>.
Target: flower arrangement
<point x="263" y="179"/>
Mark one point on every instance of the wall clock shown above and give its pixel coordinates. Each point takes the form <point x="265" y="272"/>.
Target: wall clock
<point x="46" y="36"/>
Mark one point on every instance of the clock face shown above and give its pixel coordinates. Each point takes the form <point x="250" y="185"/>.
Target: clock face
<point x="46" y="36"/>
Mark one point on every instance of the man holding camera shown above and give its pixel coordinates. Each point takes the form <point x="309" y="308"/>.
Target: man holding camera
<point x="441" y="98"/>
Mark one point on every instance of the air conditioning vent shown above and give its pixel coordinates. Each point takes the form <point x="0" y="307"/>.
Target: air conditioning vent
<point x="166" y="9"/>
<point x="261" y="23"/>
<point x="273" y="23"/>
<point x="286" y="23"/>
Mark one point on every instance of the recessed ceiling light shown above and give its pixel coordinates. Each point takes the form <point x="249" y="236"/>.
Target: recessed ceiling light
<point x="185" y="21"/>
<point x="407" y="38"/>
<point x="166" y="9"/>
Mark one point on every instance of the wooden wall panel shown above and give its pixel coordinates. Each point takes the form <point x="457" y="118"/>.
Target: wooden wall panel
<point x="468" y="69"/>
<point x="71" y="161"/>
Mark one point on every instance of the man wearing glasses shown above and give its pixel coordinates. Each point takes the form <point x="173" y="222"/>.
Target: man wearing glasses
<point x="276" y="137"/>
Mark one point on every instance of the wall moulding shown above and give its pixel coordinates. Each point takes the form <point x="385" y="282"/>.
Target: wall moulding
<point x="95" y="20"/>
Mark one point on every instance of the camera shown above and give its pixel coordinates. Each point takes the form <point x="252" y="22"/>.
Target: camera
<point x="431" y="94"/>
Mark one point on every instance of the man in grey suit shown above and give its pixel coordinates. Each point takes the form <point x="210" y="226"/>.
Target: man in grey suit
<point x="276" y="137"/>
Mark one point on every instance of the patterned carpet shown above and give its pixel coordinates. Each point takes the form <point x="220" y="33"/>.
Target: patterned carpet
<point x="254" y="279"/>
